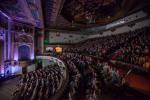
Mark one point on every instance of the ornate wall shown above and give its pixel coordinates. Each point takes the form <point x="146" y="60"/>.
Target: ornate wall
<point x="18" y="20"/>
<point x="16" y="43"/>
<point x="22" y="39"/>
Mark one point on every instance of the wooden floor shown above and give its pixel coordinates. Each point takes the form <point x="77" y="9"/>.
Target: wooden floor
<point x="7" y="88"/>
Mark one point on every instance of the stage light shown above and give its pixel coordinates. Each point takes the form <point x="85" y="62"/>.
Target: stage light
<point x="2" y="71"/>
<point x="32" y="56"/>
<point x="58" y="49"/>
<point x="16" y="57"/>
<point x="15" y="69"/>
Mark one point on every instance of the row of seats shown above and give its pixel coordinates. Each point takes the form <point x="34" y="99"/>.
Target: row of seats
<point x="40" y="84"/>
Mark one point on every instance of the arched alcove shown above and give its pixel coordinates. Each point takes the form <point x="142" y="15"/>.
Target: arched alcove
<point x="24" y="52"/>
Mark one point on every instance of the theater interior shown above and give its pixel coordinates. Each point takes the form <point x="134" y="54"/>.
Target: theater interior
<point x="74" y="49"/>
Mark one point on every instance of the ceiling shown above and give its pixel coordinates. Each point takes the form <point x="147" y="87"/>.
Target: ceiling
<point x="90" y="11"/>
<point x="71" y="15"/>
<point x="83" y="14"/>
<point x="16" y="9"/>
<point x="25" y="11"/>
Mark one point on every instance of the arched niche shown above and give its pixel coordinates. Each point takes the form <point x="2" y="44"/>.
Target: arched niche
<point x="24" y="52"/>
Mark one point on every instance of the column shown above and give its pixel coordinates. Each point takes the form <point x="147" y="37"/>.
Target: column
<point x="9" y="40"/>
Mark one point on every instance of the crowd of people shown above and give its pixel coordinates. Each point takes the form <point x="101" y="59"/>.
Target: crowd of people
<point x="74" y="77"/>
<point x="86" y="74"/>
<point x="40" y="84"/>
<point x="136" y="50"/>
<point x="111" y="74"/>
<point x="131" y="47"/>
<point x="89" y="77"/>
<point x="101" y="46"/>
<point x="82" y="76"/>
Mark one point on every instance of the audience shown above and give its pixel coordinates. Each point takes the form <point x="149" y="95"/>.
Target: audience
<point x="40" y="84"/>
<point x="131" y="47"/>
<point x="88" y="76"/>
<point x="101" y="46"/>
<point x="136" y="50"/>
<point x="84" y="75"/>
